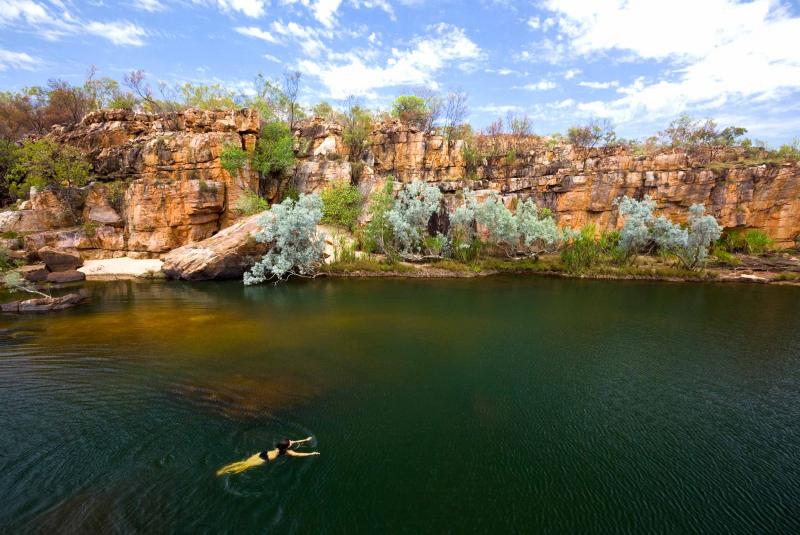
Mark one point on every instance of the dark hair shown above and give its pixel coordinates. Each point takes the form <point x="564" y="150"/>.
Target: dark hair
<point x="283" y="445"/>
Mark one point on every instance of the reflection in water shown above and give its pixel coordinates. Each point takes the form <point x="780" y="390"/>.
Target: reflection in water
<point x="504" y="404"/>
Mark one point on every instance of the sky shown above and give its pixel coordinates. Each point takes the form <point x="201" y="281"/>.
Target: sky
<point x="638" y="63"/>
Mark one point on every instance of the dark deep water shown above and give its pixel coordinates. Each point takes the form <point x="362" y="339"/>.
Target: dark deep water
<point x="501" y="404"/>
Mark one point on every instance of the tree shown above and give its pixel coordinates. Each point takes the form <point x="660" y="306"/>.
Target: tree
<point x="168" y="103"/>
<point x="378" y="231"/>
<point x="537" y="229"/>
<point x="233" y="158"/>
<point x="494" y="134"/>
<point x="499" y="223"/>
<point x="46" y="164"/>
<point x="8" y="157"/>
<point x="520" y="126"/>
<point x="207" y="97"/>
<point x="411" y="109"/>
<point x="455" y="112"/>
<point x="593" y="134"/>
<point x="690" y="245"/>
<point x="433" y="108"/>
<point x="105" y="92"/>
<point x="357" y="128"/>
<point x="296" y="247"/>
<point x="274" y="153"/>
<point x="408" y="218"/>
<point x="324" y="110"/>
<point x="291" y="88"/>
<point x="636" y="234"/>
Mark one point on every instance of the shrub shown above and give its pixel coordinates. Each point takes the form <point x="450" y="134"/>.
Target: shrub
<point x="250" y="203"/>
<point x="537" y="228"/>
<point x="690" y="245"/>
<point x="378" y="232"/>
<point x="499" y="222"/>
<point x="411" y="109"/>
<point x="635" y="235"/>
<point x="233" y="158"/>
<point x="45" y="164"/>
<point x="297" y="249"/>
<point x="274" y="152"/>
<point x="472" y="159"/>
<point x="582" y="252"/>
<point x="341" y="204"/>
<point x="758" y="242"/>
<point x="410" y="213"/>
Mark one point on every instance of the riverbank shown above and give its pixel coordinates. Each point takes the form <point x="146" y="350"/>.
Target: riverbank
<point x="781" y="268"/>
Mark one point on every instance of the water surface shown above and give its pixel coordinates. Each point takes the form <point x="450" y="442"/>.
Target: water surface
<point x="508" y="404"/>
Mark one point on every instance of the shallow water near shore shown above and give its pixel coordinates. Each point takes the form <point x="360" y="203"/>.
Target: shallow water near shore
<point x="500" y="403"/>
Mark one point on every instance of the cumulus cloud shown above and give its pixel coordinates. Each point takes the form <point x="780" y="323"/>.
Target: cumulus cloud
<point x="718" y="51"/>
<point x="599" y="85"/>
<point x="17" y="60"/>
<point x="153" y="6"/>
<point x="353" y="73"/>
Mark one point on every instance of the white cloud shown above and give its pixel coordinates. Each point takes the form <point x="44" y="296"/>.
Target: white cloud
<point x="28" y="15"/>
<point x="153" y="6"/>
<point x="535" y="23"/>
<point x="272" y="58"/>
<point x="499" y="109"/>
<point x="541" y="85"/>
<point x="351" y="73"/>
<point x="250" y="8"/>
<point x="600" y="85"/>
<point x="119" y="33"/>
<point x="724" y="51"/>
<point x="571" y="73"/>
<point x="17" y="60"/>
<point x="257" y="33"/>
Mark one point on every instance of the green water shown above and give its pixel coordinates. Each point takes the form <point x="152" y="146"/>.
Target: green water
<point x="501" y="404"/>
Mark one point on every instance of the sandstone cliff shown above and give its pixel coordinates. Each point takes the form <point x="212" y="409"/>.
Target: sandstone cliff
<point x="161" y="184"/>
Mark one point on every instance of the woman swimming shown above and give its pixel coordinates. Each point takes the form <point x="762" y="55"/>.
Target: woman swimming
<point x="283" y="448"/>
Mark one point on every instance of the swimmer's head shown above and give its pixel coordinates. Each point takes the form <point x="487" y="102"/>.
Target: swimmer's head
<point x="283" y="444"/>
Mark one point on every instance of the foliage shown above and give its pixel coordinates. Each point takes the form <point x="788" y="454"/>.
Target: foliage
<point x="690" y="245"/>
<point x="43" y="164"/>
<point x="14" y="282"/>
<point x="324" y="110"/>
<point x="582" y="252"/>
<point x="463" y="241"/>
<point x="635" y="235"/>
<point x="472" y="158"/>
<point x="537" y="229"/>
<point x="297" y="249"/>
<point x="411" y="109"/>
<point x="377" y="233"/>
<point x="250" y="203"/>
<point x="408" y="218"/>
<point x="233" y="158"/>
<point x="455" y="112"/>
<point x="593" y="134"/>
<point x="498" y="222"/>
<point x="207" y="97"/>
<point x="342" y="204"/>
<point x="753" y="241"/>
<point x="357" y="127"/>
<point x="688" y="133"/>
<point x="274" y="152"/>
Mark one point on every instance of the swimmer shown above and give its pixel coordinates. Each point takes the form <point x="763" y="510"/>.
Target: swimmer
<point x="284" y="448"/>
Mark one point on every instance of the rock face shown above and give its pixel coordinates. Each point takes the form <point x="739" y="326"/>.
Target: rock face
<point x="226" y="255"/>
<point x="59" y="260"/>
<point x="60" y="277"/>
<point x="161" y="186"/>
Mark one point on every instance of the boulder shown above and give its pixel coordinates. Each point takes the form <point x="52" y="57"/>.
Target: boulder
<point x="45" y="304"/>
<point x="59" y="259"/>
<point x="226" y="255"/>
<point x="66" y="276"/>
<point x="34" y="272"/>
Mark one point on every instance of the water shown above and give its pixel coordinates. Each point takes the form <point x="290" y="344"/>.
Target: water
<point x="502" y="404"/>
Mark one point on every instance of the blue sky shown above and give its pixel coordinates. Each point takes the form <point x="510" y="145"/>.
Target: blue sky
<point x="639" y="63"/>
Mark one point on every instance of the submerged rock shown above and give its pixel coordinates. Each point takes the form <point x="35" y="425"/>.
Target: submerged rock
<point x="45" y="304"/>
<point x="226" y="255"/>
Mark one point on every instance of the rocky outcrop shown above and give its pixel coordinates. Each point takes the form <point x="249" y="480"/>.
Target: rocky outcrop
<point x="59" y="260"/>
<point x="161" y="186"/>
<point x="226" y="255"/>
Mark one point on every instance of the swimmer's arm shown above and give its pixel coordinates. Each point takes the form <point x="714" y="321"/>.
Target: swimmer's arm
<point x="293" y="442"/>
<point x="292" y="453"/>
